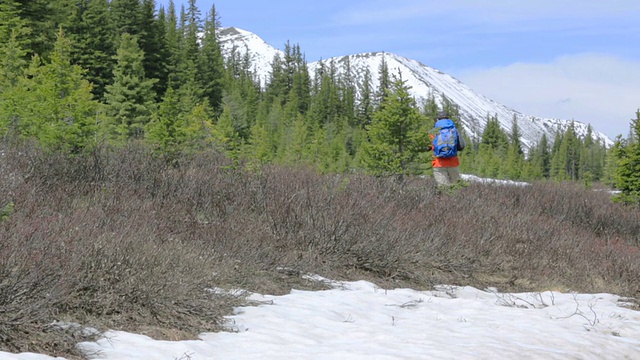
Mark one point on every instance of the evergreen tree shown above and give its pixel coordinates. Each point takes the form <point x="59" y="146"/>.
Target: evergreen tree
<point x="263" y="143"/>
<point x="397" y="134"/>
<point x="591" y="162"/>
<point x="56" y="107"/>
<point x="364" y="106"/>
<point x="173" y="44"/>
<point x="154" y="46"/>
<point x="515" y="137"/>
<point x="301" y="81"/>
<point x="494" y="137"/>
<point x="211" y="61"/>
<point x="95" y="46"/>
<point x="348" y="92"/>
<point x="12" y="62"/>
<point x="384" y="81"/>
<point x="173" y="132"/>
<point x="127" y="17"/>
<point x="192" y="27"/>
<point x="44" y="18"/>
<point x="627" y="175"/>
<point x="571" y="146"/>
<point x="430" y="107"/>
<point x="12" y="68"/>
<point x="515" y="157"/>
<point x="163" y="131"/>
<point x="130" y="98"/>
<point x="12" y="25"/>
<point x="190" y="88"/>
<point x="540" y="159"/>
<point x="325" y="98"/>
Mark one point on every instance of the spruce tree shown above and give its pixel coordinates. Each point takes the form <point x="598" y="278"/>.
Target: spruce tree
<point x="130" y="99"/>
<point x="44" y="18"/>
<point x="397" y="134"/>
<point x="173" y="44"/>
<point x="13" y="25"/>
<point x="127" y="17"/>
<point x="494" y="137"/>
<point x="364" y="104"/>
<point x="57" y="107"/>
<point x="154" y="46"/>
<point x="301" y="85"/>
<point x="12" y="93"/>
<point x="627" y="175"/>
<point x="384" y="81"/>
<point x="95" y="48"/>
<point x="211" y="62"/>
<point x="515" y="157"/>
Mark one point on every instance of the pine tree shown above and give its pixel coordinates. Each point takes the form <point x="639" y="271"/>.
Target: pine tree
<point x="130" y="98"/>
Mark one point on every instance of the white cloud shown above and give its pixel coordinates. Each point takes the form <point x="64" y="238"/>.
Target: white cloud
<point x="601" y="90"/>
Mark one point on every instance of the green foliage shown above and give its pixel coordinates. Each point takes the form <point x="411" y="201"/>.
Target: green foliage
<point x="13" y="27"/>
<point x="52" y="102"/>
<point x="397" y="135"/>
<point x="211" y="62"/>
<point x="129" y="57"/>
<point x="494" y="137"/>
<point x="627" y="175"/>
<point x="130" y="99"/>
<point x="94" y="44"/>
<point x="6" y="211"/>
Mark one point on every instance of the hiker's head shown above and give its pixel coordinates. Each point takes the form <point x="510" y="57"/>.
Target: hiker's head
<point x="442" y="115"/>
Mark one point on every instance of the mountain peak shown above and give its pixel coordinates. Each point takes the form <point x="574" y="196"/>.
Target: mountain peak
<point x="424" y="82"/>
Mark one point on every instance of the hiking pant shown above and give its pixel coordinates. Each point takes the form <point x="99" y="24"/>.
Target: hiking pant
<point x="446" y="176"/>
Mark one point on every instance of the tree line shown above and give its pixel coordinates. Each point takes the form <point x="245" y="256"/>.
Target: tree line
<point x="76" y="74"/>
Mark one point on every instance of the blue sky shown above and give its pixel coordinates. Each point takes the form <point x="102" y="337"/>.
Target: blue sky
<point x="569" y="59"/>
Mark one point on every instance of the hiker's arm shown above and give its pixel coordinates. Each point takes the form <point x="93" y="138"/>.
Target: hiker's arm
<point x="461" y="143"/>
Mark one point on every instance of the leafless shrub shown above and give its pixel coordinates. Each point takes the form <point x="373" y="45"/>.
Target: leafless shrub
<point x="122" y="239"/>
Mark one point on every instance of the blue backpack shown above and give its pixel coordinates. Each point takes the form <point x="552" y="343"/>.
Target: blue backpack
<point x="445" y="143"/>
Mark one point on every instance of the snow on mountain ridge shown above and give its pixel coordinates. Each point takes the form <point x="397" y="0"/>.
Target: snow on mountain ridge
<point x="424" y="82"/>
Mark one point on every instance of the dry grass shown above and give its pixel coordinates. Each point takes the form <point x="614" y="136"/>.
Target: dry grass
<point x="120" y="239"/>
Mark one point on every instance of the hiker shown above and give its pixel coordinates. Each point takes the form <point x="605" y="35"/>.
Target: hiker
<point x="445" y="143"/>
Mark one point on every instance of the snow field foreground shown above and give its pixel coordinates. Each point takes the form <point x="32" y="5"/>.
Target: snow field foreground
<point x="358" y="320"/>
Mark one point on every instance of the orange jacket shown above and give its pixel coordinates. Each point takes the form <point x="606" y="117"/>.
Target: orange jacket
<point x="443" y="162"/>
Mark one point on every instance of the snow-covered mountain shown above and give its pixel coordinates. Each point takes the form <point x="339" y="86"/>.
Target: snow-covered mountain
<point x="424" y="82"/>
